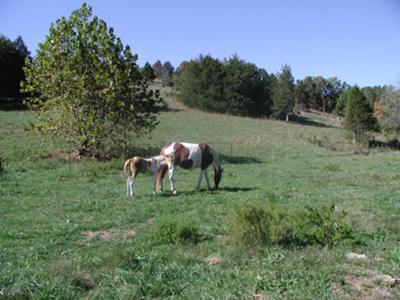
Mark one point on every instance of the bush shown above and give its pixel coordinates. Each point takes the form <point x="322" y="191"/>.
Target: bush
<point x="172" y="231"/>
<point x="321" y="225"/>
<point x="255" y="223"/>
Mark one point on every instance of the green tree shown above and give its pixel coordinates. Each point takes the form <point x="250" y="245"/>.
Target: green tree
<point x="12" y="60"/>
<point x="390" y="106"/>
<point x="148" y="72"/>
<point x="359" y="118"/>
<point x="284" y="93"/>
<point x="164" y="72"/>
<point x="247" y="88"/>
<point x="200" y="83"/>
<point x="86" y="87"/>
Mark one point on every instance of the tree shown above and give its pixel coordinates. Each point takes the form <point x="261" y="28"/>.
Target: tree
<point x="148" y="72"/>
<point x="233" y="86"/>
<point x="200" y="83"/>
<point x="389" y="112"/>
<point x="284" y="93"/>
<point x="86" y="87"/>
<point x="246" y="88"/>
<point x="164" y="71"/>
<point x="359" y="118"/>
<point x="12" y="60"/>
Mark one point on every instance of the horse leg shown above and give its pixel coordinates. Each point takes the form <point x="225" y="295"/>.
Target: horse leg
<point x="207" y="180"/>
<point x="154" y="182"/>
<point x="199" y="180"/>
<point x="171" y="179"/>
<point x="130" y="184"/>
<point x="160" y="176"/>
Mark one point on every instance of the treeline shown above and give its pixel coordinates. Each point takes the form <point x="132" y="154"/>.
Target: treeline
<point x="235" y="86"/>
<point x="12" y="60"/>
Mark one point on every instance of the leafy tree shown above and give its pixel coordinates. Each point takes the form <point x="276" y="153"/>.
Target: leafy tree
<point x="12" y="60"/>
<point x="148" y="72"/>
<point x="284" y="93"/>
<point x="319" y="93"/>
<point x="86" y="86"/>
<point x="389" y="116"/>
<point x="359" y="118"/>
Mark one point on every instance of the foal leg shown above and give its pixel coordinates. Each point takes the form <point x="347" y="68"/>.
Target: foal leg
<point x="207" y="180"/>
<point x="171" y="179"/>
<point x="199" y="181"/>
<point x="129" y="185"/>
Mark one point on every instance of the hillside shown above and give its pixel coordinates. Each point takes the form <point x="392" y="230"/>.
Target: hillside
<point x="68" y="230"/>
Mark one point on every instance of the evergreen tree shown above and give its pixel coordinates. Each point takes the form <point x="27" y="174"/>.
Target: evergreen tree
<point x="12" y="60"/>
<point x="359" y="118"/>
<point x="86" y="87"/>
<point x="283" y="95"/>
<point x="148" y="72"/>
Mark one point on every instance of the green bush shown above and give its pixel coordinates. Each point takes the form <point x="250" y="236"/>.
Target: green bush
<point x="172" y="231"/>
<point x="321" y="225"/>
<point x="256" y="223"/>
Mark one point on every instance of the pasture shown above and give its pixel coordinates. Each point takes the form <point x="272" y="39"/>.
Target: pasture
<point x="68" y="230"/>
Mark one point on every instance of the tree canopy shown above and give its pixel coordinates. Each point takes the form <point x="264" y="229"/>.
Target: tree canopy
<point x="12" y="60"/>
<point x="86" y="87"/>
<point x="232" y="86"/>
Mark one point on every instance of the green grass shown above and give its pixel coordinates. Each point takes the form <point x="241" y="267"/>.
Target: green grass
<point x="68" y="230"/>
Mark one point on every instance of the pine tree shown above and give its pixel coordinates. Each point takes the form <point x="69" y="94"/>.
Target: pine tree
<point x="359" y="118"/>
<point x="283" y="95"/>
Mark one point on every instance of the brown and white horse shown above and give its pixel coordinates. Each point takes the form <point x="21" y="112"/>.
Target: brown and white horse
<point x="156" y="165"/>
<point x="188" y="156"/>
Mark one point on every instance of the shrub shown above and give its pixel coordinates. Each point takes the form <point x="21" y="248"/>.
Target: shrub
<point x="172" y="231"/>
<point x="255" y="223"/>
<point x="321" y="225"/>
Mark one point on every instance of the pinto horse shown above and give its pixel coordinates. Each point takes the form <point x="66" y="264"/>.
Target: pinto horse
<point x="189" y="156"/>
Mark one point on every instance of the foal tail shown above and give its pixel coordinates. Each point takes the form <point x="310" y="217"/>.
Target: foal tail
<point x="128" y="164"/>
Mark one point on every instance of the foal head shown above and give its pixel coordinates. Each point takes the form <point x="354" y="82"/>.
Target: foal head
<point x="217" y="176"/>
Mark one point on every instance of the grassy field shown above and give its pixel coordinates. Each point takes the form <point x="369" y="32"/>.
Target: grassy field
<point x="68" y="230"/>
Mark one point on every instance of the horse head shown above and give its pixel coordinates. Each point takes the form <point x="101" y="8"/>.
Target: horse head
<point x="217" y="176"/>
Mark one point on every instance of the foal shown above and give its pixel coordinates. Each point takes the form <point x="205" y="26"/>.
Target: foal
<point x="156" y="165"/>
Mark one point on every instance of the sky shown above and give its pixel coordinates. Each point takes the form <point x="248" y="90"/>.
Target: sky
<point x="357" y="41"/>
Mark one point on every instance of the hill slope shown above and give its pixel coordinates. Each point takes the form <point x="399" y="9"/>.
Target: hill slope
<point x="68" y="230"/>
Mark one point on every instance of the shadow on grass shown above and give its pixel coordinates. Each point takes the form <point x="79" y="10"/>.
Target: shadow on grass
<point x="213" y="191"/>
<point x="238" y="160"/>
<point x="8" y="104"/>
<point x="389" y="145"/>
<point x="308" y="122"/>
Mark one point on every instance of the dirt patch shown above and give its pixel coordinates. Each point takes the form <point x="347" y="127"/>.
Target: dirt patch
<point x="213" y="260"/>
<point x="258" y="296"/>
<point x="370" y="285"/>
<point x="108" y="235"/>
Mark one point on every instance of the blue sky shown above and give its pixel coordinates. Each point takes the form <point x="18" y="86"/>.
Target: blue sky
<point x="357" y="41"/>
